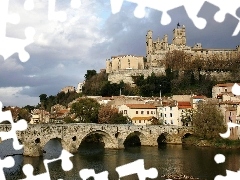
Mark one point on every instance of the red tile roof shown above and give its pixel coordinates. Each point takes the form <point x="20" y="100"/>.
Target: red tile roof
<point x="199" y="97"/>
<point x="184" y="105"/>
<point x="141" y="106"/>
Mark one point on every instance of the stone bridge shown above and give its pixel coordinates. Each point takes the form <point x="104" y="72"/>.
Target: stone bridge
<point x="35" y="137"/>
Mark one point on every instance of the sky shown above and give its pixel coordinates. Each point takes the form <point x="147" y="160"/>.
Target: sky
<point x="62" y="52"/>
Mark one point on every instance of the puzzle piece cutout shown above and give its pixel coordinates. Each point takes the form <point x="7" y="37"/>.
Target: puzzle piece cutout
<point x="60" y="15"/>
<point x="137" y="167"/>
<point x="66" y="166"/>
<point x="9" y="46"/>
<point x="87" y="173"/>
<point x="230" y="175"/>
<point x="192" y="8"/>
<point x="7" y="162"/>
<point x="20" y="125"/>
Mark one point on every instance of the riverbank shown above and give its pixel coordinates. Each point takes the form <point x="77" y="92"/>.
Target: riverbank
<point x="218" y="143"/>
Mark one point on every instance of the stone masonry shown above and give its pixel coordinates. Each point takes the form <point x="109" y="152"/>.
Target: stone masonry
<point x="71" y="135"/>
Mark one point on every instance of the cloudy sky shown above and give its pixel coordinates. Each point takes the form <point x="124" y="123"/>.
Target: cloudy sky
<point x="62" y="52"/>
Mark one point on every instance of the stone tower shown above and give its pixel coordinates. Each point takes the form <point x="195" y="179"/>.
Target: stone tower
<point x="149" y="44"/>
<point x="179" y="36"/>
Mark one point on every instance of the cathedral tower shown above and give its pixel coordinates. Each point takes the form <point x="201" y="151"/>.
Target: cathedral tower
<point x="149" y="43"/>
<point x="179" y="36"/>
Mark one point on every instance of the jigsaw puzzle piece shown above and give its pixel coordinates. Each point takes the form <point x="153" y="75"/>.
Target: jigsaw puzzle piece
<point x="53" y="15"/>
<point x="227" y="7"/>
<point x="66" y="166"/>
<point x="87" y="173"/>
<point x="230" y="175"/>
<point x="29" y="5"/>
<point x="66" y="162"/>
<point x="160" y="5"/>
<point x="137" y="167"/>
<point x="20" y="125"/>
<point x="9" y="46"/>
<point x="116" y="5"/>
<point x="229" y="126"/>
<point x="28" y="171"/>
<point x="7" y="162"/>
<point x="75" y="4"/>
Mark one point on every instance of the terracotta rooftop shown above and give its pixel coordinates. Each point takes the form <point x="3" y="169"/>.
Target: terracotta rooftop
<point x="141" y="106"/>
<point x="184" y="105"/>
<point x="199" y="97"/>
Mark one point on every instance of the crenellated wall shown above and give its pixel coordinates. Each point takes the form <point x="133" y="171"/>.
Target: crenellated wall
<point x="36" y="136"/>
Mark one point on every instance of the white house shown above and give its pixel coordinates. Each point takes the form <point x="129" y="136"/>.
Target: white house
<point x="140" y="114"/>
<point x="168" y="114"/>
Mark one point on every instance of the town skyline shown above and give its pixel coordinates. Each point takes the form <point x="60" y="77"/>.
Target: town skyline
<point x="63" y="52"/>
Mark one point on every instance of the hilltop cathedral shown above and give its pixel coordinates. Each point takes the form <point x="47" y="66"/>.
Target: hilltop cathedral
<point x="122" y="67"/>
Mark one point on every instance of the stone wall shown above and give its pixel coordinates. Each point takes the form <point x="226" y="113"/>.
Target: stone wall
<point x="71" y="135"/>
<point x="126" y="75"/>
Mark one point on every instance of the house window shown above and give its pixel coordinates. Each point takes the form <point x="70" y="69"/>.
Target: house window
<point x="225" y="89"/>
<point x="147" y="112"/>
<point x="125" y="111"/>
<point x="139" y="121"/>
<point x="144" y="121"/>
<point x="136" y="112"/>
<point x="165" y="115"/>
<point x="170" y="108"/>
<point x="230" y="113"/>
<point x="161" y="114"/>
<point x="171" y="121"/>
<point x="141" y="112"/>
<point x="170" y="114"/>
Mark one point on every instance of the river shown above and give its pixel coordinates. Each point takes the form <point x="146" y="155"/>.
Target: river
<point x="189" y="160"/>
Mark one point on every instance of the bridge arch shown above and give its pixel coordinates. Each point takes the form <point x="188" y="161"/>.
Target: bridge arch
<point x="162" y="138"/>
<point x="135" y="138"/>
<point x="108" y="140"/>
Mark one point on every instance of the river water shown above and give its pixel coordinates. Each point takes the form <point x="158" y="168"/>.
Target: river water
<point x="167" y="159"/>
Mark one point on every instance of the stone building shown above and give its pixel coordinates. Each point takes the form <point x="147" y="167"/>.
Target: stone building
<point x="68" y="89"/>
<point x="124" y="62"/>
<point x="156" y="50"/>
<point x="124" y="67"/>
<point x="80" y="87"/>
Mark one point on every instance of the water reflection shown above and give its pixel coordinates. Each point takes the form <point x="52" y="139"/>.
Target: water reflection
<point x="168" y="159"/>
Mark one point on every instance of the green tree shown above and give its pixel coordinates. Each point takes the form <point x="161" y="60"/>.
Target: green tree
<point x="90" y="73"/>
<point x="24" y="114"/>
<point x="86" y="109"/>
<point x="186" y="117"/>
<point x="110" y="115"/>
<point x="43" y="99"/>
<point x="208" y="121"/>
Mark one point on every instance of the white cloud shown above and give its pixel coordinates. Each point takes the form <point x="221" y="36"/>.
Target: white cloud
<point x="11" y="96"/>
